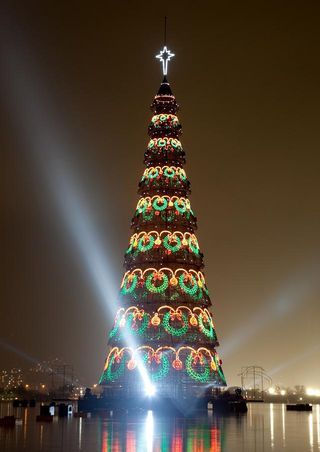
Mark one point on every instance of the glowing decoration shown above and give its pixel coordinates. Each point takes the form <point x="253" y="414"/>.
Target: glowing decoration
<point x="165" y="56"/>
<point x="183" y="280"/>
<point x="166" y="121"/>
<point x="208" y="331"/>
<point x="173" y="330"/>
<point x="173" y="281"/>
<point x="146" y="243"/>
<point x="165" y="143"/>
<point x="180" y="205"/>
<point x="193" y="244"/>
<point x="213" y="366"/>
<point x="142" y="205"/>
<point x="150" y="282"/>
<point x="169" y="172"/>
<point x="161" y="362"/>
<point x="155" y="321"/>
<point x="193" y="320"/>
<point x="113" y="375"/>
<point x="198" y="375"/>
<point x="218" y="363"/>
<point x="177" y="364"/>
<point x="129" y="284"/>
<point x="160" y="203"/>
<point x="132" y="364"/>
<point x="115" y="328"/>
<point x="172" y="243"/>
<point x="132" y="320"/>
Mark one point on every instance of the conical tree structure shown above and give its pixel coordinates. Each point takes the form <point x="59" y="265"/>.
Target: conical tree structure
<point x="164" y="319"/>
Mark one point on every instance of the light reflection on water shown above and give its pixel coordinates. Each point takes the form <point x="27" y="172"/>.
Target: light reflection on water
<point x="266" y="427"/>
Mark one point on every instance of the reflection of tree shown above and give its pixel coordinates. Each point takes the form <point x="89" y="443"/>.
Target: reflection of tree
<point x="165" y="434"/>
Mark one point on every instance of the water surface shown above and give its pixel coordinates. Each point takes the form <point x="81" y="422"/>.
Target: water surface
<point x="266" y="427"/>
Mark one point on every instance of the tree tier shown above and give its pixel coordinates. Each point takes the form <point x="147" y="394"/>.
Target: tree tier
<point x="163" y="150"/>
<point x="164" y="323"/>
<point x="164" y="104"/>
<point x="173" y="249"/>
<point x="164" y="212"/>
<point x="169" y="180"/>
<point x="166" y="363"/>
<point x="164" y="125"/>
<point x="164" y="285"/>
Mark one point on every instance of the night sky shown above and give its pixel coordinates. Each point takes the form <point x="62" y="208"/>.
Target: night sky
<point x="77" y="79"/>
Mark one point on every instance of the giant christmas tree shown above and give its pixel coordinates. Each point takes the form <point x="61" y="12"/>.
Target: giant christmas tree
<point x="163" y="327"/>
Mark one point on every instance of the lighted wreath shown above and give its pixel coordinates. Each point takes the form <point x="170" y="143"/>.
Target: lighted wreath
<point x="113" y="375"/>
<point x="142" y="205"/>
<point x="115" y="328"/>
<point x="152" y="278"/>
<point x="193" y="245"/>
<point x="146" y="243"/>
<point x="169" y="172"/>
<point x="217" y="362"/>
<point x="129" y="284"/>
<point x="162" y="368"/>
<point x="153" y="173"/>
<point x="172" y="243"/>
<point x="201" y="376"/>
<point x="182" y="174"/>
<point x="188" y="284"/>
<point x="180" y="205"/>
<point x="160" y="203"/>
<point x="143" y="323"/>
<point x="206" y="327"/>
<point x="173" y="330"/>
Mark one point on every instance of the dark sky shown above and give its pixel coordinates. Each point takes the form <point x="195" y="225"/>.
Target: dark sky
<point x="77" y="79"/>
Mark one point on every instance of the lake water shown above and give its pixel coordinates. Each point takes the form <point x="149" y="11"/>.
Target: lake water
<point x="266" y="427"/>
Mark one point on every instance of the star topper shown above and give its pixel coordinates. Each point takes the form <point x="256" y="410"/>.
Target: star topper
<point x="164" y="56"/>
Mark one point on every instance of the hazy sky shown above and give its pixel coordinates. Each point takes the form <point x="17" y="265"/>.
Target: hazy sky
<point x="77" y="80"/>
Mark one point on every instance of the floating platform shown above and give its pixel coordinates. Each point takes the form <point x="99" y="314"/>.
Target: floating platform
<point x="163" y="405"/>
<point x="299" y="407"/>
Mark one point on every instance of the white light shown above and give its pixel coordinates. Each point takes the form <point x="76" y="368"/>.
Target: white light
<point x="150" y="390"/>
<point x="271" y="390"/>
<point x="313" y="392"/>
<point x="283" y="392"/>
<point x="164" y="56"/>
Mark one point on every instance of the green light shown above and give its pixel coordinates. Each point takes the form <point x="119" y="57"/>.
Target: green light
<point x="142" y="206"/>
<point x="146" y="247"/>
<point x="163" y="204"/>
<point x="209" y="332"/>
<point x="143" y="326"/>
<point x="175" y="239"/>
<point x="115" y="328"/>
<point x="169" y="172"/>
<point x="189" y="290"/>
<point x="147" y="216"/>
<point x="163" y="367"/>
<point x="203" y="376"/>
<point x="157" y="289"/>
<point x="180" y="205"/>
<point x="128" y="287"/>
<point x="193" y="245"/>
<point x="114" y="375"/>
<point x="173" y="330"/>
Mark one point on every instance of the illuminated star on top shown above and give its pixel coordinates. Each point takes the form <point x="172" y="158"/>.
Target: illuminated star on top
<point x="164" y="56"/>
